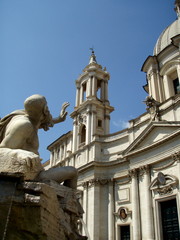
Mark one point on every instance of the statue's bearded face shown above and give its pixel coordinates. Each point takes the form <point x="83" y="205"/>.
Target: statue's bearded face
<point x="36" y="107"/>
<point x="47" y="120"/>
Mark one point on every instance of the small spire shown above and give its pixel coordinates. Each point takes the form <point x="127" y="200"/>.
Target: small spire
<point x="92" y="57"/>
<point x="177" y="7"/>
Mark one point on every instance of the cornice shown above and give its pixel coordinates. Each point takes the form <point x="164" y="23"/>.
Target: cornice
<point x="109" y="164"/>
<point x="88" y="102"/>
<point x="130" y="150"/>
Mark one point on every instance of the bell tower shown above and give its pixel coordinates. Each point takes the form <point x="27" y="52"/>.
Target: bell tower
<point x="92" y="108"/>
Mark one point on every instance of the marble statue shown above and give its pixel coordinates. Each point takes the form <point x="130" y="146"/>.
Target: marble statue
<point x="19" y="142"/>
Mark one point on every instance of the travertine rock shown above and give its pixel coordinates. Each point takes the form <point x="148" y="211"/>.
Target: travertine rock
<point x="33" y="210"/>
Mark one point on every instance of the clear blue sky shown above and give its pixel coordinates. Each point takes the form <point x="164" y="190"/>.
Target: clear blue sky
<point x="44" y="46"/>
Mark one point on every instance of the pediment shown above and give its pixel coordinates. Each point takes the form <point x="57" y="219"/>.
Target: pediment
<point x="154" y="133"/>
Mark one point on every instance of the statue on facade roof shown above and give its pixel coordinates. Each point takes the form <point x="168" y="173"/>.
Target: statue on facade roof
<point x="19" y="142"/>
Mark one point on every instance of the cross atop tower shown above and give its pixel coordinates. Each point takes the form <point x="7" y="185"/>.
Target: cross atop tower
<point x="92" y="57"/>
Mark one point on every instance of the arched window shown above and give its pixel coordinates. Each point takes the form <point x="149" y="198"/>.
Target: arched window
<point x="99" y="89"/>
<point x="84" y="91"/>
<point x="83" y="134"/>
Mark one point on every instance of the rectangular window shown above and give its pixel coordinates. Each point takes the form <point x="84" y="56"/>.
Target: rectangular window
<point x="169" y="216"/>
<point x="99" y="123"/>
<point x="176" y="86"/>
<point x="125" y="232"/>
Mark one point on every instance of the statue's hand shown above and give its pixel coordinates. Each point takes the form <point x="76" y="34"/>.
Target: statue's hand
<point x="63" y="112"/>
<point x="62" y="115"/>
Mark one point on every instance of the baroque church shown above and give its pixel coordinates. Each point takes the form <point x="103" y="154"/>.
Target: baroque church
<point x="129" y="180"/>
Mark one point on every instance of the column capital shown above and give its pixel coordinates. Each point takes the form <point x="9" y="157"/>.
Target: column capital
<point x="133" y="172"/>
<point x="176" y="156"/>
<point x="144" y="170"/>
<point x="85" y="184"/>
<point x="99" y="181"/>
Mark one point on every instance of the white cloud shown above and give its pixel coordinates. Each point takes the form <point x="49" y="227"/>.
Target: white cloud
<point x="121" y="124"/>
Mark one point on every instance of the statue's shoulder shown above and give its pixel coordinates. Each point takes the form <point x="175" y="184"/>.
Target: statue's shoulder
<point x="21" y="121"/>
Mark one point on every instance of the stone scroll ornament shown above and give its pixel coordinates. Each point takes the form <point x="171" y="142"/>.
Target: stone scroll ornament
<point x="19" y="142"/>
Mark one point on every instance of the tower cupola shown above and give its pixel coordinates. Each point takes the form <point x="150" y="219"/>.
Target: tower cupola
<point x="92" y="108"/>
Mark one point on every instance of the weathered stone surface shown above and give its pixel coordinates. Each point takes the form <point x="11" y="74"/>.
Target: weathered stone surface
<point x="20" y="161"/>
<point x="34" y="210"/>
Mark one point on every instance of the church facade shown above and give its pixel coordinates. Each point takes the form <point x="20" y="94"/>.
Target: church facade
<point x="129" y="180"/>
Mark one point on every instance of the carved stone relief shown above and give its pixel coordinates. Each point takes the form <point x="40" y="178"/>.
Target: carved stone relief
<point x="152" y="108"/>
<point x="82" y="119"/>
<point x="164" y="184"/>
<point x="123" y="213"/>
<point x="95" y="182"/>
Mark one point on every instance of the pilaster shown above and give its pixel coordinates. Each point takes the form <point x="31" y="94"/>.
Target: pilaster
<point x="135" y="205"/>
<point x="111" y="211"/>
<point x="147" y="214"/>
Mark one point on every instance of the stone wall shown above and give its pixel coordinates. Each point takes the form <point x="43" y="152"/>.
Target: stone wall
<point x="34" y="210"/>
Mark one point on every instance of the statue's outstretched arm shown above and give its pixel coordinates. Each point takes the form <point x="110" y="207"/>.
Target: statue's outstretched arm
<point x="62" y="115"/>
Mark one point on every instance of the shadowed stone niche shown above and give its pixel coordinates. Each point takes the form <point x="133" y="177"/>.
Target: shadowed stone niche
<point x="32" y="210"/>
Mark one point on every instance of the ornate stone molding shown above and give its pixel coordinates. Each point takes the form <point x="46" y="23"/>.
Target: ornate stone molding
<point x="164" y="184"/>
<point x="171" y="162"/>
<point x="124" y="182"/>
<point x="133" y="172"/>
<point x="123" y="213"/>
<point x="144" y="170"/>
<point x="82" y="119"/>
<point x="85" y="184"/>
<point x="176" y="156"/>
<point x="96" y="182"/>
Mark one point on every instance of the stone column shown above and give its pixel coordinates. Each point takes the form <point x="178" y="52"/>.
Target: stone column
<point x="167" y="87"/>
<point x="154" y="86"/>
<point x="149" y="84"/>
<point x="160" y="87"/>
<point x="65" y="149"/>
<point x="74" y="147"/>
<point x="94" y="86"/>
<point x="106" y="91"/>
<point x="148" y="228"/>
<point x="88" y="127"/>
<point x="77" y="96"/>
<point x="136" y="224"/>
<point x="106" y="124"/>
<point x="93" y="209"/>
<point x="93" y="124"/>
<point x="110" y="212"/>
<point x="89" y="87"/>
<point x="85" y="203"/>
<point x="102" y="90"/>
<point x="51" y="159"/>
<point x="178" y="72"/>
<point x="81" y="94"/>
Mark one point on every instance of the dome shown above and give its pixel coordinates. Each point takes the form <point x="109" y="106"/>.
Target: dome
<point x="165" y="38"/>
